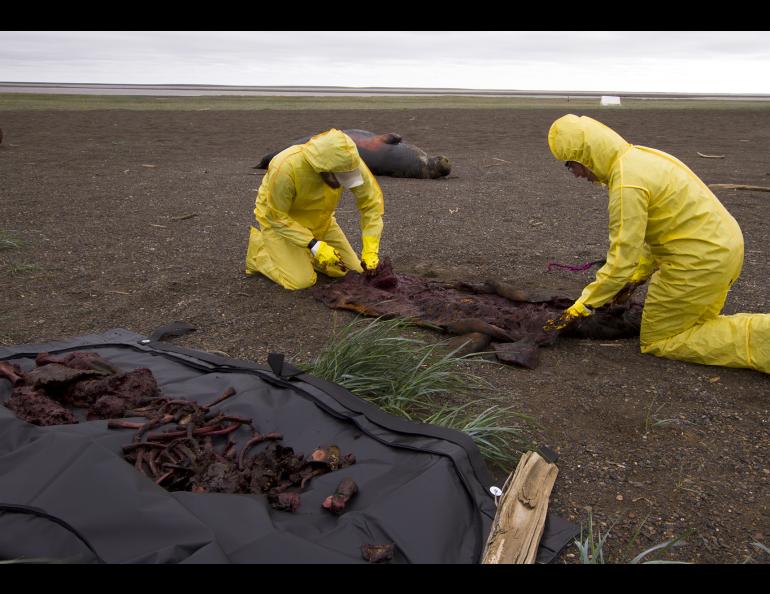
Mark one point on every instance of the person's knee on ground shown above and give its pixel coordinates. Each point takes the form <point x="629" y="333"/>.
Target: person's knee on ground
<point x="297" y="282"/>
<point x="295" y="274"/>
<point x="253" y="251"/>
<point x="738" y="340"/>
<point x="271" y="256"/>
<point x="294" y="279"/>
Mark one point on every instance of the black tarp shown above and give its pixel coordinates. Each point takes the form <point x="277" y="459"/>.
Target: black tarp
<point x="67" y="493"/>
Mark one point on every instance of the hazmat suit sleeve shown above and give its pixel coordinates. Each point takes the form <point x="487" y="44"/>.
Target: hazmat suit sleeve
<point x="370" y="203"/>
<point x="281" y="192"/>
<point x="628" y="225"/>
<point x="646" y="266"/>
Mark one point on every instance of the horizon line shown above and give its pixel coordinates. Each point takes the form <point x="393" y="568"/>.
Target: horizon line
<point x="339" y="89"/>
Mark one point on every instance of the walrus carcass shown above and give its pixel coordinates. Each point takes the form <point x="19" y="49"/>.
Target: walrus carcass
<point x="492" y="316"/>
<point x="385" y="154"/>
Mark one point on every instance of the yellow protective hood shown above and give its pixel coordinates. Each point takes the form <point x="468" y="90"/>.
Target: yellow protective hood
<point x="590" y="143"/>
<point x="331" y="151"/>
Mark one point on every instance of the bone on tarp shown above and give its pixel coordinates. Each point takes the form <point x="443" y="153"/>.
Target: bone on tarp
<point x="187" y="458"/>
<point x="338" y="501"/>
<point x="378" y="553"/>
<point x="512" y="317"/>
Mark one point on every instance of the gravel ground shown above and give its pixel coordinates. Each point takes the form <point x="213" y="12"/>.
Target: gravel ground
<point x="133" y="219"/>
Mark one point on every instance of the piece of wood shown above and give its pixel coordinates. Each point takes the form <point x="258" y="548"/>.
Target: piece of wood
<point x="739" y="187"/>
<point x="521" y="512"/>
<point x="711" y="156"/>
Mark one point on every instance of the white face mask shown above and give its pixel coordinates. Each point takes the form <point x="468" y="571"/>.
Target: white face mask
<point x="350" y="179"/>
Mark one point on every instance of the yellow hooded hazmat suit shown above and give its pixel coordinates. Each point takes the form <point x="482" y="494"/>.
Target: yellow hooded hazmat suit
<point x="295" y="205"/>
<point x="665" y="224"/>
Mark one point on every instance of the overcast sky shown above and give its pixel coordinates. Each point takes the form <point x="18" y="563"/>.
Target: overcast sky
<point x="655" y="61"/>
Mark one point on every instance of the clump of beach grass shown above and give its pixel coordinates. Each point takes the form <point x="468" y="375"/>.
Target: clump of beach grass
<point x="591" y="549"/>
<point x="22" y="268"/>
<point x="8" y="241"/>
<point x="423" y="382"/>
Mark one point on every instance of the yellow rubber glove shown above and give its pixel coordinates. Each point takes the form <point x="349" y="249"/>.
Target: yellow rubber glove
<point x="326" y="255"/>
<point x="578" y="310"/>
<point x="568" y="316"/>
<point x="560" y="323"/>
<point x="369" y="254"/>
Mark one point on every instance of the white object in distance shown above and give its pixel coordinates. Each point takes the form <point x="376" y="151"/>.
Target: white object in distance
<point x="610" y="100"/>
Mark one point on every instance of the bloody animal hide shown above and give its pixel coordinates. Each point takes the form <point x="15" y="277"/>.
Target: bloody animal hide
<point x="511" y="319"/>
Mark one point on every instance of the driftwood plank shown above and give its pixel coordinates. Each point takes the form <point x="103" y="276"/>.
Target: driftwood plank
<point x="521" y="511"/>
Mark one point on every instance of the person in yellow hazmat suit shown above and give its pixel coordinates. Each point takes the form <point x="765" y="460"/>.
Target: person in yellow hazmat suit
<point x="298" y="234"/>
<point x="666" y="226"/>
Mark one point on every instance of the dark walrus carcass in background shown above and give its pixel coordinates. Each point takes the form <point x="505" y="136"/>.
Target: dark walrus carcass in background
<point x="385" y="154"/>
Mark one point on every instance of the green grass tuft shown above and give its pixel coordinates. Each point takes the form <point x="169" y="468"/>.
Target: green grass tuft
<point x="592" y="548"/>
<point x="15" y="269"/>
<point x="497" y="441"/>
<point x="421" y="382"/>
<point x="8" y="242"/>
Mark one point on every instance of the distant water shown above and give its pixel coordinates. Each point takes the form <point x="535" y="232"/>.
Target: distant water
<point x="208" y="90"/>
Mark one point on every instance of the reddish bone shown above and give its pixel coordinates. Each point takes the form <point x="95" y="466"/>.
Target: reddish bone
<point x="329" y="455"/>
<point x="338" y="502"/>
<point x="377" y="553"/>
<point x="225" y="395"/>
<point x="11" y="372"/>
<point x="255" y="440"/>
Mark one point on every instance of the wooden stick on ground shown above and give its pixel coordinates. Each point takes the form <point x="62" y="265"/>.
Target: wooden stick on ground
<point x="521" y="511"/>
<point x="739" y="187"/>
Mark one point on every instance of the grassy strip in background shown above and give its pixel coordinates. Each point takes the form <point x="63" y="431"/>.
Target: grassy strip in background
<point x="422" y="382"/>
<point x="71" y="102"/>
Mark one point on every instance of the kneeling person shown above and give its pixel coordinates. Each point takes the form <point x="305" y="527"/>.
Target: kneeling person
<point x="298" y="234"/>
<point x="666" y="226"/>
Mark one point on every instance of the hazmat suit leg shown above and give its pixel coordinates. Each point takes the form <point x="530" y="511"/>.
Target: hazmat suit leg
<point x="681" y="320"/>
<point x="279" y="260"/>
<point x="335" y="237"/>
